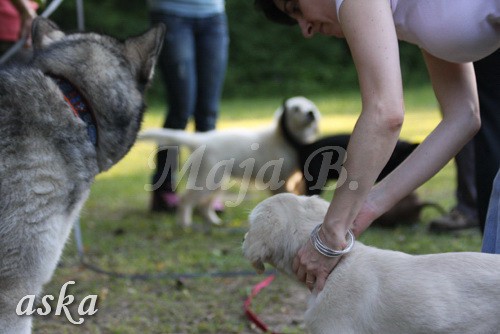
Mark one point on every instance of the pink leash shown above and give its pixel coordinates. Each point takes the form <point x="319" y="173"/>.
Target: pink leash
<point x="247" y="305"/>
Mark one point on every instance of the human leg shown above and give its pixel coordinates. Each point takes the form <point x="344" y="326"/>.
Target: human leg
<point x="212" y="41"/>
<point x="177" y="66"/>
<point x="466" y="184"/>
<point x="491" y="238"/>
<point x="487" y="140"/>
<point x="464" y="214"/>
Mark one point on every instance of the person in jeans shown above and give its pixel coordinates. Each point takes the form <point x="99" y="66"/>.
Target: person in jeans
<point x="193" y="65"/>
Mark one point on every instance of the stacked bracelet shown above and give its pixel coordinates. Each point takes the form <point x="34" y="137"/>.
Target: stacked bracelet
<point x="327" y="251"/>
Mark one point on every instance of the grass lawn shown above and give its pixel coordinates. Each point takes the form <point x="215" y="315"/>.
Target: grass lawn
<point x="120" y="234"/>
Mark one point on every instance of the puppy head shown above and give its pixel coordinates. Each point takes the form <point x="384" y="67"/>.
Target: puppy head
<point x="301" y="119"/>
<point x="279" y="226"/>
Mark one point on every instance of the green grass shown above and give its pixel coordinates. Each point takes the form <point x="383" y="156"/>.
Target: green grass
<point x="120" y="234"/>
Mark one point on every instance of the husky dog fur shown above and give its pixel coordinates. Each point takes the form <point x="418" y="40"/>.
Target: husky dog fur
<point x="48" y="160"/>
<point x="241" y="146"/>
<point x="378" y="291"/>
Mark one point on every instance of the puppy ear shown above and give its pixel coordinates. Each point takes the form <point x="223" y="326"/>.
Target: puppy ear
<point x="143" y="50"/>
<point x="280" y="111"/>
<point x="259" y="267"/>
<point x="284" y="103"/>
<point x="45" y="32"/>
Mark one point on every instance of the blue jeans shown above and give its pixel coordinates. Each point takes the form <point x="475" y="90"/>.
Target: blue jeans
<point x="491" y="238"/>
<point x="193" y="64"/>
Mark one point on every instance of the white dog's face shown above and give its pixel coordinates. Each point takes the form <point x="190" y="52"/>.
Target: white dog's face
<point x="279" y="226"/>
<point x="302" y="118"/>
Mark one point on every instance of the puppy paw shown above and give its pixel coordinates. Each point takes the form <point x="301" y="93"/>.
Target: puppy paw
<point x="213" y="218"/>
<point x="184" y="217"/>
<point x="216" y="221"/>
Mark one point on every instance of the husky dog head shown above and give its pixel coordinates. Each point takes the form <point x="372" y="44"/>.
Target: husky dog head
<point x="111" y="75"/>
<point x="279" y="226"/>
<point x="299" y="120"/>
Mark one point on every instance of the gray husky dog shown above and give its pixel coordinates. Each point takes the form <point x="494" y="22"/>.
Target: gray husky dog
<point x="73" y="112"/>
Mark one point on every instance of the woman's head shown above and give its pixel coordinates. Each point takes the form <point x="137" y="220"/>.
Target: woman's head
<point x="312" y="16"/>
<point x="273" y="13"/>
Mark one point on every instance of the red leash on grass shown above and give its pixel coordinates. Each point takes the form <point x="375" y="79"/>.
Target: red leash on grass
<point x="247" y="305"/>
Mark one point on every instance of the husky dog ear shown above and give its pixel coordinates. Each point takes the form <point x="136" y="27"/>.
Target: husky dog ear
<point x="45" y="32"/>
<point x="143" y="50"/>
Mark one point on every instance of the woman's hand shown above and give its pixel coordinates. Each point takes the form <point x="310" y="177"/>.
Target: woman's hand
<point x="368" y="213"/>
<point x="312" y="268"/>
<point x="28" y="13"/>
<point x="26" y="23"/>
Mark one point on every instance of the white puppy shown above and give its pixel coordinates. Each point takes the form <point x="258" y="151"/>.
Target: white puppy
<point x="265" y="155"/>
<point x="379" y="291"/>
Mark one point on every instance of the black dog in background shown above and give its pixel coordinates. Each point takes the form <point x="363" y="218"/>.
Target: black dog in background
<point x="322" y="161"/>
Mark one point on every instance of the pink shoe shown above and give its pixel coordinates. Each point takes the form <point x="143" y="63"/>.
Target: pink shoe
<point x="164" y="202"/>
<point x="218" y="206"/>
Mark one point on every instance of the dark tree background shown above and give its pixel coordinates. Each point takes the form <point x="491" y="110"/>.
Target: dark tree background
<point x="265" y="59"/>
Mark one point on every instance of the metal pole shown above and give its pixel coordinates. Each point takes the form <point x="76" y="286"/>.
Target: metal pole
<point x="76" y="226"/>
<point x="80" y="16"/>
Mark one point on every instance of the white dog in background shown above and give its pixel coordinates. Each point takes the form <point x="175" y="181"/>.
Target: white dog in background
<point x="379" y="291"/>
<point x="264" y="155"/>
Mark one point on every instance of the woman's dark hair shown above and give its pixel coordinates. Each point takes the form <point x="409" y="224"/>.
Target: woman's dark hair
<point x="272" y="13"/>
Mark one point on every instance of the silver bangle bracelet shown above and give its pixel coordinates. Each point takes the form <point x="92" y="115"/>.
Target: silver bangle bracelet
<point x="327" y="251"/>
